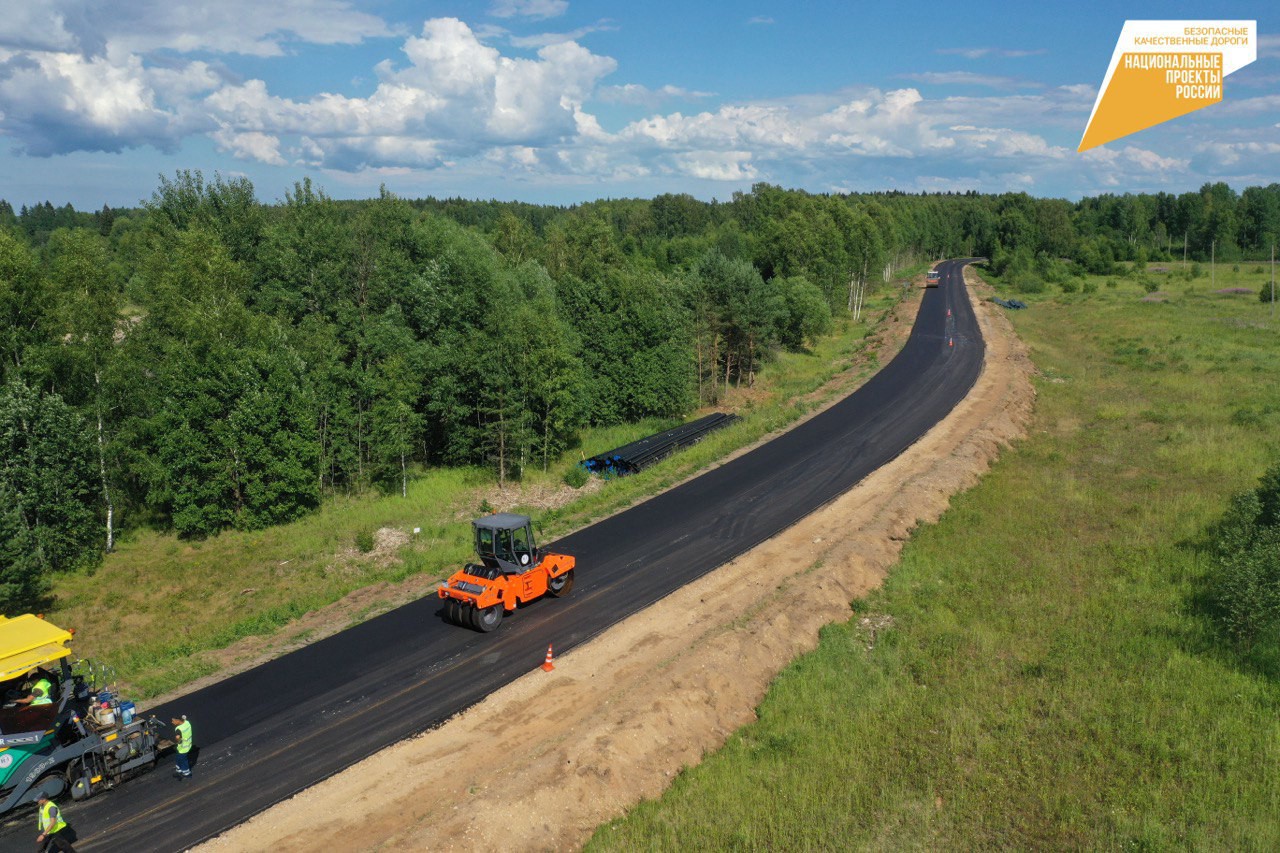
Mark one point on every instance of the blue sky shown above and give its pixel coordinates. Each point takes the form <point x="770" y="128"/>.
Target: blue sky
<point x="558" y="101"/>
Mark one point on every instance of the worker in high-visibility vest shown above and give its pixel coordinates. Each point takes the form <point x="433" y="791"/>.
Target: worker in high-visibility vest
<point x="40" y="692"/>
<point x="182" y="733"/>
<point x="52" y="826"/>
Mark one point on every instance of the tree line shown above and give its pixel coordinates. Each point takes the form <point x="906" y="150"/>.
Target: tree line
<point x="207" y="361"/>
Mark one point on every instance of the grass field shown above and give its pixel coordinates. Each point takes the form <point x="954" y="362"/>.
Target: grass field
<point x="160" y="605"/>
<point x="1048" y="681"/>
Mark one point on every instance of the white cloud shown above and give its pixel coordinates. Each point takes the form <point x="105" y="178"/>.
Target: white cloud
<point x="521" y="157"/>
<point x="358" y="153"/>
<point x="1064" y="108"/>
<point x="459" y="100"/>
<point x="544" y="39"/>
<point x="1240" y="156"/>
<point x="447" y="60"/>
<point x="760" y="20"/>
<point x="183" y="81"/>
<point x="717" y="165"/>
<point x="1262" y="104"/>
<point x="1131" y="155"/>
<point x="84" y="75"/>
<point x="1083" y="90"/>
<point x="1255" y="80"/>
<point x="969" y="78"/>
<point x="730" y="126"/>
<point x="456" y="97"/>
<point x="32" y="26"/>
<point x="980" y="52"/>
<point x="891" y="125"/>
<point x="55" y="102"/>
<point x="1233" y="154"/>
<point x="1268" y="46"/>
<point x="452" y="101"/>
<point x="1152" y="162"/>
<point x="636" y="94"/>
<point x="249" y="27"/>
<point x="741" y="141"/>
<point x="539" y="9"/>
<point x="1005" y="142"/>
<point x="250" y="145"/>
<point x="539" y="98"/>
<point x="243" y="26"/>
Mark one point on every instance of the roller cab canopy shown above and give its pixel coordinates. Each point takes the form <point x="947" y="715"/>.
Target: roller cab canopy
<point x="27" y="642"/>
<point x="504" y="541"/>
<point x="502" y="521"/>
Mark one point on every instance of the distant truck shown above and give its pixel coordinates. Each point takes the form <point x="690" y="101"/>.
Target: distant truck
<point x="932" y="278"/>
<point x="60" y="729"/>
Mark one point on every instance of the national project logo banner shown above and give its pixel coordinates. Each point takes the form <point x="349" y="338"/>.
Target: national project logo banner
<point x="1164" y="69"/>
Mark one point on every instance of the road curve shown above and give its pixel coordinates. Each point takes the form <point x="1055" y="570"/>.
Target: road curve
<point x="267" y="733"/>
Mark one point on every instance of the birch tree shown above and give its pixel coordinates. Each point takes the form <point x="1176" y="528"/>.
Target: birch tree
<point x="866" y="253"/>
<point x="89" y="302"/>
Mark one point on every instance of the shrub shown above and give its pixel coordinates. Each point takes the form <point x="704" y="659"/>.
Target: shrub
<point x="1069" y="285"/>
<point x="1250" y="417"/>
<point x="576" y="477"/>
<point x="1024" y="283"/>
<point x="1090" y="287"/>
<point x="1150" y="285"/>
<point x="1244" y="579"/>
<point x="1112" y="283"/>
<point x="364" y="541"/>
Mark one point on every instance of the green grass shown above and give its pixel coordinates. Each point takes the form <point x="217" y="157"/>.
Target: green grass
<point x="159" y="601"/>
<point x="1047" y="682"/>
<point x="159" y="606"/>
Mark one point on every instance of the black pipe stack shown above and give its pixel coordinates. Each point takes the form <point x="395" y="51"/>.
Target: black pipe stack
<point x="638" y="455"/>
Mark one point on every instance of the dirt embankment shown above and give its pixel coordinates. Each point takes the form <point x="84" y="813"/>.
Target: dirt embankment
<point x="542" y="762"/>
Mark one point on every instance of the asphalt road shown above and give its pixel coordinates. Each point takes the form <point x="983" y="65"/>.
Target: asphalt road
<point x="268" y="733"/>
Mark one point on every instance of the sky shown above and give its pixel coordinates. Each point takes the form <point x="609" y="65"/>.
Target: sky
<point x="563" y="101"/>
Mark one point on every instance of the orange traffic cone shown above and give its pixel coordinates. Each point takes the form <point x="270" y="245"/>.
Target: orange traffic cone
<point x="547" y="666"/>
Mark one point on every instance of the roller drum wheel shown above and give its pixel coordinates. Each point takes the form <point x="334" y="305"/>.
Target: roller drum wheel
<point x="488" y="619"/>
<point x="562" y="585"/>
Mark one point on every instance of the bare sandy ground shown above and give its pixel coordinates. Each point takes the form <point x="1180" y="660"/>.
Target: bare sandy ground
<point x="542" y="762"/>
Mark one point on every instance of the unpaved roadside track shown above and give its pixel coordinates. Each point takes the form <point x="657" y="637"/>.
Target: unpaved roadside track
<point x="542" y="762"/>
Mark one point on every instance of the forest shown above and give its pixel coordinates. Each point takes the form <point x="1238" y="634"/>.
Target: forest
<point x="207" y="361"/>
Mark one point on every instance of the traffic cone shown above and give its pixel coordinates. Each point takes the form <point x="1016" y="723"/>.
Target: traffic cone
<point x="951" y="342"/>
<point x="547" y="666"/>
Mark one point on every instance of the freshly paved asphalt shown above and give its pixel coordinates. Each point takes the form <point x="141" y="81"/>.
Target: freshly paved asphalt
<point x="270" y="732"/>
